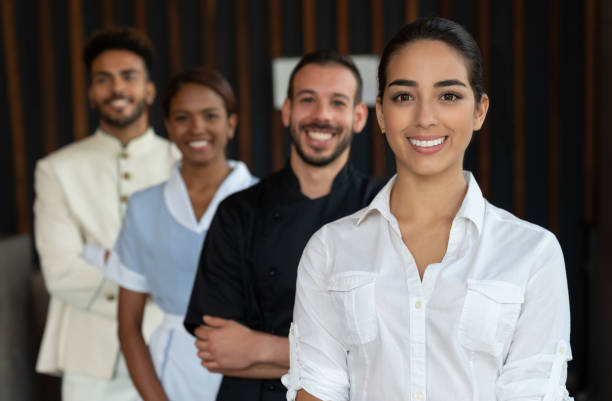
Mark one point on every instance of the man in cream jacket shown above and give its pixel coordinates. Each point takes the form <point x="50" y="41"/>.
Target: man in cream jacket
<point x="81" y="195"/>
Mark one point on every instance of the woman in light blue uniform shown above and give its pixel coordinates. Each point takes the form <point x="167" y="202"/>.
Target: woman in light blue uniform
<point x="159" y="245"/>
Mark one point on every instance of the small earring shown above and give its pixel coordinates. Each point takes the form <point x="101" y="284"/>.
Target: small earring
<point x="382" y="130"/>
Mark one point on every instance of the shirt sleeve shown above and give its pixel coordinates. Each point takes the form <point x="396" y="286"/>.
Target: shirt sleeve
<point x="59" y="242"/>
<point x="317" y="356"/>
<point x="536" y="366"/>
<point x="125" y="265"/>
<point x="219" y="288"/>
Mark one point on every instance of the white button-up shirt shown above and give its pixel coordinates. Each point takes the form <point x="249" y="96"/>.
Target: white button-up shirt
<point x="489" y="322"/>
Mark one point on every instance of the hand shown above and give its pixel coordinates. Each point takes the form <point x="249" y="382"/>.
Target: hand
<point x="225" y="344"/>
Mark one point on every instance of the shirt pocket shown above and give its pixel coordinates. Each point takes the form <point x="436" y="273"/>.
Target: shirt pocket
<point x="355" y="295"/>
<point x="489" y="315"/>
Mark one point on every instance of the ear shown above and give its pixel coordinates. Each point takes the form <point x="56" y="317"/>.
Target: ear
<point x="150" y="92"/>
<point x="232" y="122"/>
<point x="480" y="112"/>
<point x="379" y="114"/>
<point x="360" y="117"/>
<point x="286" y="112"/>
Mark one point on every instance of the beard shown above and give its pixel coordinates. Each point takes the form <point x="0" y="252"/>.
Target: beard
<point x="121" y="122"/>
<point x="322" y="161"/>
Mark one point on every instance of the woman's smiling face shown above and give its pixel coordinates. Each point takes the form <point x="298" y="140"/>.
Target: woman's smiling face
<point x="428" y="109"/>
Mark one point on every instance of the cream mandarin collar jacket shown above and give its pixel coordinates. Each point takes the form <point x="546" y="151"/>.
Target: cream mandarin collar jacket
<point x="81" y="193"/>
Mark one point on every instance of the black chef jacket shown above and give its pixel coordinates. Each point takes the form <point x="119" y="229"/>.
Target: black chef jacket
<point x="248" y="266"/>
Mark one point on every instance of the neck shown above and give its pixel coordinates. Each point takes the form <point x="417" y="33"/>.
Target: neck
<point x="427" y="198"/>
<point x="315" y="181"/>
<point x="127" y="133"/>
<point x="199" y="176"/>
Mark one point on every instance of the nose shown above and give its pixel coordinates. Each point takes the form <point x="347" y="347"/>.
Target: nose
<point x="426" y="115"/>
<point x="118" y="85"/>
<point x="322" y="112"/>
<point x="198" y="125"/>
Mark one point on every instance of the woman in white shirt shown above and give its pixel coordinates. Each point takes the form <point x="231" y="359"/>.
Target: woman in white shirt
<point x="162" y="234"/>
<point x="431" y="292"/>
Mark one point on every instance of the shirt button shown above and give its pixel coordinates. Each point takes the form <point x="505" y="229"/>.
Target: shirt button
<point x="272" y="272"/>
<point x="124" y="155"/>
<point x="418" y="395"/>
<point x="110" y="297"/>
<point x="276" y="216"/>
<point x="417" y="305"/>
<point x="127" y="176"/>
<point x="124" y="198"/>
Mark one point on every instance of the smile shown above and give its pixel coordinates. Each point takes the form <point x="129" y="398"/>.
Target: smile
<point x="428" y="143"/>
<point x="320" y="136"/>
<point x="198" y="144"/>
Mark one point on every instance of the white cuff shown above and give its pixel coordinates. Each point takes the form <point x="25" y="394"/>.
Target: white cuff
<point x="124" y="277"/>
<point x="94" y="255"/>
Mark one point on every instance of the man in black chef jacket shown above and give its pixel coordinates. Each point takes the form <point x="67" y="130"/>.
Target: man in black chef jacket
<point x="242" y="301"/>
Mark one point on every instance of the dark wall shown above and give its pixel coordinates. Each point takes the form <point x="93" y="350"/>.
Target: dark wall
<point x="535" y="156"/>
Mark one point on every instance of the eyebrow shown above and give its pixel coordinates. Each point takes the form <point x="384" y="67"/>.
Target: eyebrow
<point x="311" y="92"/>
<point x="441" y="84"/>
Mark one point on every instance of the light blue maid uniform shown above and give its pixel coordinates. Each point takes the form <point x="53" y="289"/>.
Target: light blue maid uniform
<point x="157" y="252"/>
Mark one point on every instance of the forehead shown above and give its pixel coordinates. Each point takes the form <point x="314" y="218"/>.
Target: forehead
<point x="195" y="96"/>
<point x="427" y="60"/>
<point x="117" y="60"/>
<point x="325" y="80"/>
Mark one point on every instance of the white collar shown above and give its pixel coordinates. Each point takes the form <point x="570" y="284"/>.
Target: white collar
<point x="472" y="207"/>
<point x="179" y="204"/>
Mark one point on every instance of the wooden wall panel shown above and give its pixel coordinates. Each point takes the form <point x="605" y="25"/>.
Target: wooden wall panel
<point x="590" y="108"/>
<point x="276" y="50"/>
<point x="518" y="96"/>
<point x="412" y="10"/>
<point x="140" y="15"/>
<point x="447" y="8"/>
<point x="18" y="131"/>
<point x="244" y="92"/>
<point x="342" y="26"/>
<point x="209" y="33"/>
<point x="174" y="34"/>
<point x="79" y="98"/>
<point x="108" y="12"/>
<point x="47" y="77"/>
<point x="309" y="26"/>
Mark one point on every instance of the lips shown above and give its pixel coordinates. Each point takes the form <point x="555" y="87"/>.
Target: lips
<point x="319" y="134"/>
<point x="198" y="144"/>
<point x="118" y="102"/>
<point x="423" y="143"/>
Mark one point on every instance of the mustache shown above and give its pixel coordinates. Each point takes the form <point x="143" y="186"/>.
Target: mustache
<point x="321" y="127"/>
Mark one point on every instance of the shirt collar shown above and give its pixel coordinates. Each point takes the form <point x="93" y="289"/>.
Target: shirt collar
<point x="472" y="207"/>
<point x="291" y="181"/>
<point x="112" y="143"/>
<point x="179" y="204"/>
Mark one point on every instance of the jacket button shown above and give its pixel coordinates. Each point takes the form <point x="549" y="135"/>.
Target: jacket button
<point x="271" y="387"/>
<point x="127" y="176"/>
<point x="272" y="272"/>
<point x="124" y="198"/>
<point x="110" y="297"/>
<point x="124" y="155"/>
<point x="276" y="216"/>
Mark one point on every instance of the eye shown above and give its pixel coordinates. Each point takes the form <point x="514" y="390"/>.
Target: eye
<point x="402" y="97"/>
<point x="179" y="118"/>
<point x="338" y="103"/>
<point x="307" y="99"/>
<point x="100" y="79"/>
<point x="211" y="116"/>
<point x="450" y="97"/>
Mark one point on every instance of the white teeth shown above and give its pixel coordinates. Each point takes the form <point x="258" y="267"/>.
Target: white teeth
<point x="427" y="144"/>
<point x="198" y="144"/>
<point x="119" y="103"/>
<point x="320" y="136"/>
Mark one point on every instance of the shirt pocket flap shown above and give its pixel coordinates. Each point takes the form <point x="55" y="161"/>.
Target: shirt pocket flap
<point x="350" y="280"/>
<point x="498" y="291"/>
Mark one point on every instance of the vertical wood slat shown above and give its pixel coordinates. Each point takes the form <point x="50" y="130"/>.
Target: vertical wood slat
<point x="79" y="99"/>
<point x="276" y="50"/>
<point x="47" y="77"/>
<point x="342" y="26"/>
<point x="140" y="15"/>
<point x="108" y="12"/>
<point x="174" y="36"/>
<point x="378" y="141"/>
<point x="518" y="100"/>
<point x="309" y="35"/>
<point x="18" y="131"/>
<point x="484" y="162"/>
<point x="447" y="8"/>
<point x="590" y="85"/>
<point x="554" y="116"/>
<point x="242" y="63"/>
<point x="209" y="37"/>
<point x="412" y="10"/>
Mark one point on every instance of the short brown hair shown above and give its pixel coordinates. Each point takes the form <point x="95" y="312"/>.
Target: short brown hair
<point x="208" y="78"/>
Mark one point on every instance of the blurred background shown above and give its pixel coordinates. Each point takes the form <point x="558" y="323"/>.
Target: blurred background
<point x="543" y="153"/>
